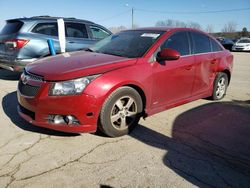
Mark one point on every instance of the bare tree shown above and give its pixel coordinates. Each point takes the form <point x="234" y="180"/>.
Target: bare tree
<point x="160" y="23"/>
<point x="180" y="24"/>
<point x="177" y="23"/>
<point x="136" y="26"/>
<point x="210" y="28"/>
<point x="117" y="29"/>
<point x="194" y="25"/>
<point x="170" y="23"/>
<point x="229" y="27"/>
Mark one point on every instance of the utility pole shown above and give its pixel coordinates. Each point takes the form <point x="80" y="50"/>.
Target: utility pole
<point x="132" y="17"/>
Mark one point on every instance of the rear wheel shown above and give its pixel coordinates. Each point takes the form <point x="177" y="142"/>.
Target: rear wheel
<point x="220" y="86"/>
<point x="121" y="112"/>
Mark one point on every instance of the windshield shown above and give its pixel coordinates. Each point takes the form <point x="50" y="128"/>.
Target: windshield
<point x="244" y="41"/>
<point x="131" y="44"/>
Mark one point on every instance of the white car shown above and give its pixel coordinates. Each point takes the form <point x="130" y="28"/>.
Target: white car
<point x="242" y="44"/>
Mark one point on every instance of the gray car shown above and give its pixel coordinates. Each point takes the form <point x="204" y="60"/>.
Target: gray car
<point x="24" y="40"/>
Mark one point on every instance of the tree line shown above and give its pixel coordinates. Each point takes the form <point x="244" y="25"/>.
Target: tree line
<point x="229" y="30"/>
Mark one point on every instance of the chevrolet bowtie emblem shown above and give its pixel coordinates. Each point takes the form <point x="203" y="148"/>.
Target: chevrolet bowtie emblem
<point x="25" y="79"/>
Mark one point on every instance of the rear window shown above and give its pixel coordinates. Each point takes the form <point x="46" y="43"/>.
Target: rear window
<point x="11" y="27"/>
<point x="215" y="46"/>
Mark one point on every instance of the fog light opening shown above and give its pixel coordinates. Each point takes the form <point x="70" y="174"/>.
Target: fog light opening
<point x="63" y="119"/>
<point x="69" y="119"/>
<point x="58" y="119"/>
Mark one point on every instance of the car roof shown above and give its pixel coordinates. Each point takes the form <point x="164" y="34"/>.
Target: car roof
<point x="165" y="29"/>
<point x="49" y="18"/>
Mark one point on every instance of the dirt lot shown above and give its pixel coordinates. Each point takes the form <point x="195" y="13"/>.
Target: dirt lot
<point x="203" y="143"/>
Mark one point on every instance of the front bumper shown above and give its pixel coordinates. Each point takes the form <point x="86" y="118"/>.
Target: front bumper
<point x="36" y="110"/>
<point x="16" y="65"/>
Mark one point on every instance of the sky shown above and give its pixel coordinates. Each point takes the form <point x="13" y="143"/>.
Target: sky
<point x="114" y="13"/>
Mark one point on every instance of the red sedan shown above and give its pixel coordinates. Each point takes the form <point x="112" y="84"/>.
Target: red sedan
<point x="128" y="75"/>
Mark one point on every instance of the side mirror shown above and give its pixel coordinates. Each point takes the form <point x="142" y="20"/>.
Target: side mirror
<point x="167" y="54"/>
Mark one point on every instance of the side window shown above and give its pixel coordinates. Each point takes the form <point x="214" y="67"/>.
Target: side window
<point x="46" y="29"/>
<point x="178" y="41"/>
<point x="76" y="30"/>
<point x="98" y="33"/>
<point x="201" y="43"/>
<point x="215" y="46"/>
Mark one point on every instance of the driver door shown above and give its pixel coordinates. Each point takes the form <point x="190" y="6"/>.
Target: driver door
<point x="174" y="79"/>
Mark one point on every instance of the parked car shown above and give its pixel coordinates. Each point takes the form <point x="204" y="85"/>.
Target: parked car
<point x="24" y="40"/>
<point x="242" y="44"/>
<point x="125" y="76"/>
<point x="226" y="42"/>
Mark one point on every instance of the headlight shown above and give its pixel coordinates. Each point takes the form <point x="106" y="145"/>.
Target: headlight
<point x="71" y="87"/>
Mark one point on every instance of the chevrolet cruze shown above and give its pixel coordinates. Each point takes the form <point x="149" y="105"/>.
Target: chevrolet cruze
<point x="128" y="75"/>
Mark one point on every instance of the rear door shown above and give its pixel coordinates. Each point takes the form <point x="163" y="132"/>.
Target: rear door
<point x="77" y="37"/>
<point x="217" y="58"/>
<point x="204" y="62"/>
<point x="173" y="80"/>
<point x="40" y="33"/>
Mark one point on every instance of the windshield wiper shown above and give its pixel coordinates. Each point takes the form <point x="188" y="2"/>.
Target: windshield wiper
<point x="88" y="50"/>
<point x="110" y="53"/>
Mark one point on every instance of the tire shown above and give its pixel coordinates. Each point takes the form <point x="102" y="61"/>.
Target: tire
<point x="120" y="112"/>
<point x="220" y="86"/>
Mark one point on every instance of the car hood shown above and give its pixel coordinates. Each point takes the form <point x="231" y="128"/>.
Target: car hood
<point x="77" y="64"/>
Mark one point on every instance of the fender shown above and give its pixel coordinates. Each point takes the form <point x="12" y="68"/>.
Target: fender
<point x="104" y="85"/>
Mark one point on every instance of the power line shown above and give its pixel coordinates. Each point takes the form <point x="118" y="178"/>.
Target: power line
<point x="172" y="12"/>
<point x="199" y="12"/>
<point x="114" y="16"/>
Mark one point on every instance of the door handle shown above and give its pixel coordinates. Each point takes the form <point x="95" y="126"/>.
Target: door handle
<point x="189" y="67"/>
<point x="71" y="42"/>
<point x="213" y="61"/>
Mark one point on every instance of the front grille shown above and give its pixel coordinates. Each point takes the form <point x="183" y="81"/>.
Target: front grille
<point x="27" y="112"/>
<point x="24" y="84"/>
<point x="28" y="90"/>
<point x="33" y="76"/>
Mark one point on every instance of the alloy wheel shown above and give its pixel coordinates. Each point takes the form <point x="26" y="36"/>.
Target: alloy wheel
<point x="221" y="88"/>
<point x="123" y="113"/>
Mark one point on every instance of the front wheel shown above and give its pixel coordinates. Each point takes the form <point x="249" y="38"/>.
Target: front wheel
<point x="220" y="86"/>
<point x="121" y="112"/>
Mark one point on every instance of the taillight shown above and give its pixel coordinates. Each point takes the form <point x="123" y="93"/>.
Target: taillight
<point x="16" y="43"/>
